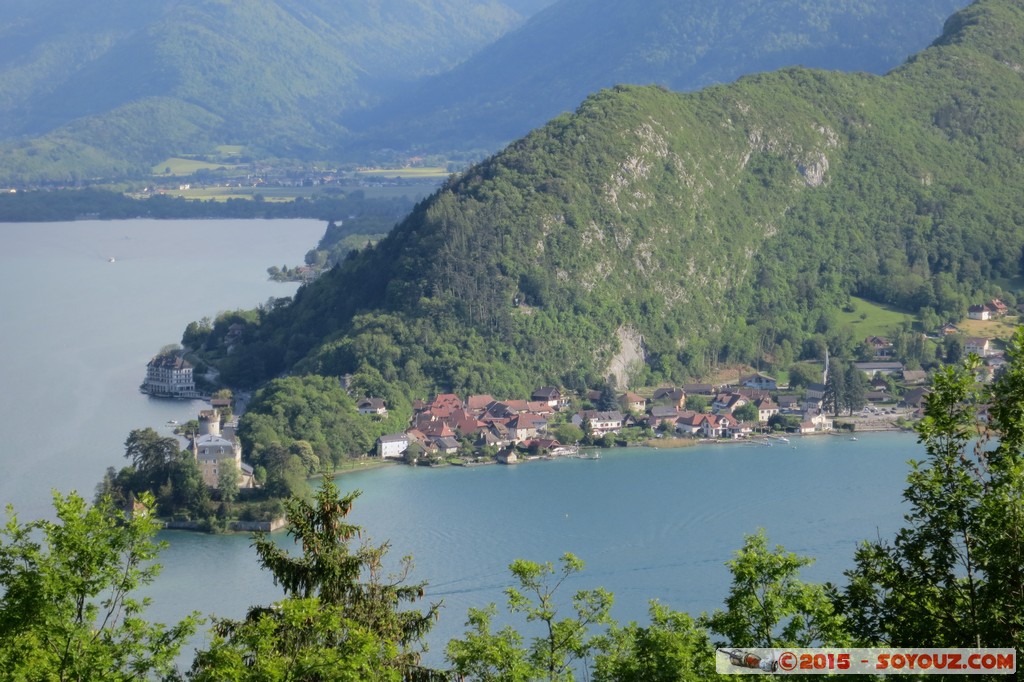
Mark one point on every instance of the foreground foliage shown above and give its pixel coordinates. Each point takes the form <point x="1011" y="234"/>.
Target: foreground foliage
<point x="952" y="577"/>
<point x="68" y="609"/>
<point x="344" y="617"/>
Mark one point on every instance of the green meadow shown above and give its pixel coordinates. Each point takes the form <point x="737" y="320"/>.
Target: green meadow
<point x="873" y="319"/>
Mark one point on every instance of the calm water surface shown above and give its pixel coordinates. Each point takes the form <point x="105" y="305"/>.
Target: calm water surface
<point x="78" y="331"/>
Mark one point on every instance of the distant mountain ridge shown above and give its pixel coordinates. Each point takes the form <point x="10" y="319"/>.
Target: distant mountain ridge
<point x="726" y="225"/>
<point x="577" y="47"/>
<point x="106" y="87"/>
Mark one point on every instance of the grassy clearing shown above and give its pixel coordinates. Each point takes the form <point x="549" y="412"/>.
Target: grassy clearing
<point x="671" y="442"/>
<point x="873" y="319"/>
<point x="426" y="172"/>
<point x="230" y="149"/>
<point x="1002" y="328"/>
<point x="273" y="194"/>
<point x="177" y="166"/>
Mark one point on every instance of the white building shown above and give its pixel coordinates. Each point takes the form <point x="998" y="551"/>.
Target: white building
<point x="170" y="376"/>
<point x="392" y="446"/>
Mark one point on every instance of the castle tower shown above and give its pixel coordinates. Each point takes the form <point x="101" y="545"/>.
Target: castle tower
<point x="209" y="423"/>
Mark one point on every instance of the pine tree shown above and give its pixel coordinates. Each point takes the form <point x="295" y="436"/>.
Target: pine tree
<point x="341" y="610"/>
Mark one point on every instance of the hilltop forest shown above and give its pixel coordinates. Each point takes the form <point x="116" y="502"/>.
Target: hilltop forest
<point x="723" y="226"/>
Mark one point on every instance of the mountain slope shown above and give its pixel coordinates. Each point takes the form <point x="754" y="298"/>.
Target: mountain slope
<point x="718" y="226"/>
<point x="273" y="74"/>
<point x="577" y="47"/>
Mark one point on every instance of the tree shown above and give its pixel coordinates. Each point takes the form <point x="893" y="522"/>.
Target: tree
<point x="673" y="648"/>
<point x="954" y="575"/>
<point x="362" y="610"/>
<point x="952" y="348"/>
<point x="484" y="655"/>
<point x="151" y="453"/>
<point x="804" y="374"/>
<point x="567" y="433"/>
<point x="769" y="606"/>
<point x="924" y="586"/>
<point x="835" y="389"/>
<point x="697" y="403"/>
<point x="855" y="389"/>
<point x="68" y="610"/>
<point x="300" y="640"/>
<point x="747" y="412"/>
<point x="227" y="483"/>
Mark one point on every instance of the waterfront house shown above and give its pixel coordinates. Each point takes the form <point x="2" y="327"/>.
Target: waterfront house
<point x="663" y="415"/>
<point x="392" y="446"/>
<point x="170" y="376"/>
<point x="600" y="422"/>
<point x="717" y="425"/>
<point x="527" y="425"/>
<point x="737" y="430"/>
<point x="766" y="409"/>
<point x="508" y="456"/>
<point x="728" y="402"/>
<point x="446" y="445"/>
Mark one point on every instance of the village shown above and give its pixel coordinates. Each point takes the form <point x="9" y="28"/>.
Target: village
<point x="554" y="422"/>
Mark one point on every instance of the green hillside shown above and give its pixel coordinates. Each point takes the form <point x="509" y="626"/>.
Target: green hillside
<point x="721" y="226"/>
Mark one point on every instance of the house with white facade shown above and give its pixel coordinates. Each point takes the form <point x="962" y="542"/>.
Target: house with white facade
<point x="392" y="446"/>
<point x="600" y="422"/>
<point x="170" y="376"/>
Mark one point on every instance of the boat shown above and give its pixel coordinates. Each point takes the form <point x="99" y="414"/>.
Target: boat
<point x="111" y="260"/>
<point x="853" y="437"/>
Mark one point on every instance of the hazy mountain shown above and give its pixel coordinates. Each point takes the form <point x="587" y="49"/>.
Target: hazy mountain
<point x="726" y="225"/>
<point x="108" y="86"/>
<point x="577" y="47"/>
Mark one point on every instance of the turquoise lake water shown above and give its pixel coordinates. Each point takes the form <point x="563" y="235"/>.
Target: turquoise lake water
<point x="78" y="331"/>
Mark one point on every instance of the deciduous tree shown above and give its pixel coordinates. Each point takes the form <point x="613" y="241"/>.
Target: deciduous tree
<point x="69" y="609"/>
<point x="484" y="655"/>
<point x="769" y="606"/>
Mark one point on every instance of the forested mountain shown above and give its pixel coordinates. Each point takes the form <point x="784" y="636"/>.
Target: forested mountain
<point x="108" y="87"/>
<point x="724" y="225"/>
<point x="577" y="47"/>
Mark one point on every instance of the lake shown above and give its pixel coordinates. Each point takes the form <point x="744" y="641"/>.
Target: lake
<point x="78" y="331"/>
